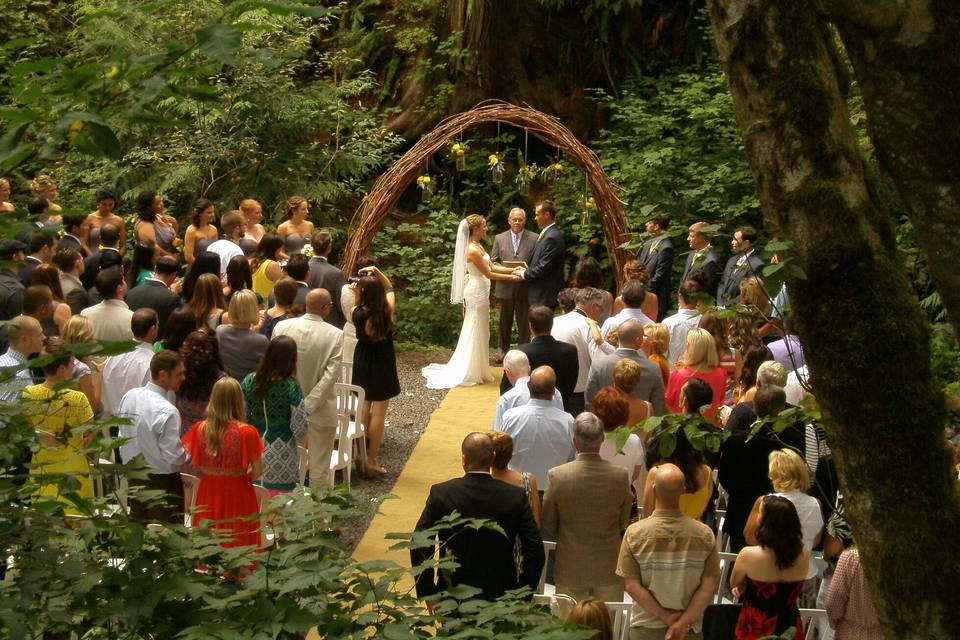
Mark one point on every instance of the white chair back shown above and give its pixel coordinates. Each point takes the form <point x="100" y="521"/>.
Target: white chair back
<point x="560" y="604"/>
<point x="350" y="399"/>
<point x="190" y="485"/>
<point x="620" y="615"/>
<point x="815" y="624"/>
<point x="346" y="372"/>
<point x="304" y="464"/>
<point x="726" y="566"/>
<point x="341" y="458"/>
<point x="548" y="548"/>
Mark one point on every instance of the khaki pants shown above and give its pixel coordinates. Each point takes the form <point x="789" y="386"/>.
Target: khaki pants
<point x="605" y="593"/>
<point x="642" y="633"/>
<point x="320" y="440"/>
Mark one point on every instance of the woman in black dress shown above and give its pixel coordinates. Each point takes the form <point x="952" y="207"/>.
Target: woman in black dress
<point x="374" y="361"/>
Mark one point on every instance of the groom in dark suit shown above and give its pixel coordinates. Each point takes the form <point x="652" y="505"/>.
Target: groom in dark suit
<point x="514" y="245"/>
<point x="545" y="273"/>
<point x="485" y="556"/>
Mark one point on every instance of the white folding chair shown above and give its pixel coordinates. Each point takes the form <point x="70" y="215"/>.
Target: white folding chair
<point x="350" y="400"/>
<point x="620" y="615"/>
<point x="346" y="372"/>
<point x="341" y="458"/>
<point x="263" y="501"/>
<point x="543" y="587"/>
<point x="190" y="485"/>
<point x="726" y="566"/>
<point x="304" y="464"/>
<point x="816" y="626"/>
<point x="561" y="605"/>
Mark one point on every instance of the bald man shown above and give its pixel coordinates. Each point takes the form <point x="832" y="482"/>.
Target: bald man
<point x="319" y="351"/>
<point x="485" y="556"/>
<point x="670" y="585"/>
<point x="26" y="339"/>
<point x="650" y="386"/>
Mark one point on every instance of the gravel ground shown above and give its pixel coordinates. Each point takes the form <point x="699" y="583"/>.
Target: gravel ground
<point x="407" y="417"/>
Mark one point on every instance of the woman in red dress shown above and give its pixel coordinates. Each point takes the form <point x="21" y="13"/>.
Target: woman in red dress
<point x="699" y="361"/>
<point x="227" y="452"/>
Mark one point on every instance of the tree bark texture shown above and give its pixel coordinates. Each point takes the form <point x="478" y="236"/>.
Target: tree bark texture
<point x="864" y="336"/>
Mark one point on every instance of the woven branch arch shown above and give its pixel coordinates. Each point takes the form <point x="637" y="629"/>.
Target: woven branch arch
<point x="388" y="188"/>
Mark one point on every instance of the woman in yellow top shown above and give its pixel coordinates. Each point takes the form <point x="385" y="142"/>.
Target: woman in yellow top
<point x="266" y="269"/>
<point x="56" y="416"/>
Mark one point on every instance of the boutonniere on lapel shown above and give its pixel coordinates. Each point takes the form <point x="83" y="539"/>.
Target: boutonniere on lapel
<point x="655" y="245"/>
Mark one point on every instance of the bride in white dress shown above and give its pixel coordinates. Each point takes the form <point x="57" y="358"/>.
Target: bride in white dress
<point x="472" y="272"/>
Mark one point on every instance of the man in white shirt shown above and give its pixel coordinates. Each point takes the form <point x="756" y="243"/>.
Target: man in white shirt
<point x="542" y="434"/>
<point x="579" y="328"/>
<point x="111" y="318"/>
<point x="319" y="352"/>
<point x="131" y="369"/>
<point x="234" y="226"/>
<point x="516" y="366"/>
<point x="154" y="434"/>
<point x="683" y="321"/>
<point x="633" y="294"/>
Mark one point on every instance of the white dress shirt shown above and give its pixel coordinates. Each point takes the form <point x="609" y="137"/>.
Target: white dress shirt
<point x="625" y="314"/>
<point x="154" y="430"/>
<point x="679" y="325"/>
<point x="542" y="438"/>
<point x="574" y="328"/>
<point x="518" y="396"/>
<point x="111" y="320"/>
<point x="226" y="249"/>
<point x="125" y="372"/>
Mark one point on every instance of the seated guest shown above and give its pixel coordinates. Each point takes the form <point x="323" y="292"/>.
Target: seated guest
<point x="111" y="318"/>
<point x="545" y="350"/>
<point x="798" y="385"/>
<point x="131" y="369"/>
<point x="849" y="604"/>
<point x="686" y="319"/>
<point x="283" y="294"/>
<point x="516" y="367"/>
<point x="591" y="613"/>
<point x="38" y="303"/>
<point x="768" y="577"/>
<point x="612" y="407"/>
<point x="699" y="361"/>
<point x="650" y="386"/>
<point x="485" y="556"/>
<point x="154" y="434"/>
<point x="542" y="434"/>
<point x="502" y="453"/>
<point x="207" y="302"/>
<point x="634" y="293"/>
<point x="241" y="347"/>
<point x="566" y="301"/>
<point x="656" y="340"/>
<point x="579" y="328"/>
<point x="626" y="377"/>
<point x="202" y="369"/>
<point x="586" y="506"/>
<point x="727" y="355"/>
<point x="233" y="225"/>
<point x="770" y="373"/>
<point x="155" y="293"/>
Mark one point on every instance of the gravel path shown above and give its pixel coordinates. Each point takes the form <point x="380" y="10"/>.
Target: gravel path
<point x="407" y="417"/>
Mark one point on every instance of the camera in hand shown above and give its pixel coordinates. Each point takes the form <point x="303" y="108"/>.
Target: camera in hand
<point x="353" y="280"/>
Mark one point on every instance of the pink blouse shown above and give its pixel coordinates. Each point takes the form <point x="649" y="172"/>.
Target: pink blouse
<point x="849" y="606"/>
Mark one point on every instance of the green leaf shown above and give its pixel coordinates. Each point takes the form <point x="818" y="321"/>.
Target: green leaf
<point x="220" y="42"/>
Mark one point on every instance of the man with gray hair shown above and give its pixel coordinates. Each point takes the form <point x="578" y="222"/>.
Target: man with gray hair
<point x="511" y="248"/>
<point x="579" y="328"/>
<point x="649" y="388"/>
<point x="744" y="414"/>
<point x="516" y="366"/>
<point x="586" y="507"/>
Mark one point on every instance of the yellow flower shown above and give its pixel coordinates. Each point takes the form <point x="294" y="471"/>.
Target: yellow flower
<point x="493" y="159"/>
<point x="114" y="70"/>
<point x="460" y="152"/>
<point x="75" y="128"/>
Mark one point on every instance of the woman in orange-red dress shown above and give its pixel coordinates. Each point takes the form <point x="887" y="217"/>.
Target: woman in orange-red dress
<point x="228" y="453"/>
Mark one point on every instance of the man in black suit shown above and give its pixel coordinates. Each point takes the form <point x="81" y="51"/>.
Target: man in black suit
<point x="155" y="292"/>
<point x="744" y="262"/>
<point x="544" y="349"/>
<point x="657" y="257"/>
<point x="107" y="256"/>
<point x="38" y="207"/>
<point x="326" y="276"/>
<point x="514" y="245"/>
<point x="40" y="247"/>
<point x="485" y="556"/>
<point x="701" y="258"/>
<point x="545" y="273"/>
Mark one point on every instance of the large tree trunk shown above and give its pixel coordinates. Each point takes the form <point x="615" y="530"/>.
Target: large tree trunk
<point x="864" y="336"/>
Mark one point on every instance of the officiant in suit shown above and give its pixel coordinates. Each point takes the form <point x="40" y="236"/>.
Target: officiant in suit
<point x="545" y="273"/>
<point x="513" y="245"/>
<point x="657" y="256"/>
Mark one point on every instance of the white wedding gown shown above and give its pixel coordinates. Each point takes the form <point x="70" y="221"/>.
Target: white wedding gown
<point x="470" y="363"/>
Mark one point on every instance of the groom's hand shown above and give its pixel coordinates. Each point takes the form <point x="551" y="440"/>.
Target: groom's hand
<point x="519" y="271"/>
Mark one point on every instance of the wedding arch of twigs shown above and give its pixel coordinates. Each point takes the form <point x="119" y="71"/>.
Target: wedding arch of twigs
<point x="388" y="188"/>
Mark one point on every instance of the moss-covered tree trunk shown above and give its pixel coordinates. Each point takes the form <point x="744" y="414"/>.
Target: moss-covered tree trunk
<point x="864" y="336"/>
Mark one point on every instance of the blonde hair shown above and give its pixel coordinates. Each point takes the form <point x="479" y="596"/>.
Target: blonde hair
<point x="5" y="183"/>
<point x="292" y="204"/>
<point x="590" y="613"/>
<point x="42" y="183"/>
<point x="788" y="471"/>
<point x="626" y="375"/>
<point x="247" y="205"/>
<point x="752" y="294"/>
<point x="635" y="270"/>
<point x="700" y="353"/>
<point x="659" y="336"/>
<point x="243" y="307"/>
<point x="475" y="221"/>
<point x="78" y="329"/>
<point x="225" y="406"/>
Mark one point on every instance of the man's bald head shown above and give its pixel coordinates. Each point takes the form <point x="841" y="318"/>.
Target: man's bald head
<point x="630" y="333"/>
<point x="669" y="484"/>
<point x="26" y="335"/>
<point x="477" y="452"/>
<point x="318" y="302"/>
<point x="543" y="382"/>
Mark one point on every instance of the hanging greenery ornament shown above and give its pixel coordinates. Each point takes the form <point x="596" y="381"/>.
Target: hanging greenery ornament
<point x="553" y="171"/>
<point x="589" y="204"/>
<point x="425" y="184"/>
<point x="459" y="153"/>
<point x="526" y="175"/>
<point x="496" y="167"/>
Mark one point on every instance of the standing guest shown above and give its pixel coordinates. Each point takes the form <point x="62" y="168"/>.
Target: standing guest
<point x="49" y="275"/>
<point x="70" y="263"/>
<point x="5" y="205"/>
<point x="657" y="256"/>
<point x="514" y="245"/>
<point x="296" y="229"/>
<point x="516" y="366"/>
<point x="153" y="226"/>
<point x="38" y="219"/>
<point x="107" y="255"/>
<point x="241" y="346"/>
<point x="591" y="613"/>
<point x="106" y="203"/>
<point x="685" y="320"/>
<point x="111" y="318"/>
<point x="228" y="453"/>
<point x="11" y="289"/>
<point x="586" y="274"/>
<point x="284" y="293"/>
<point x="579" y="328"/>
<point x="374" y="361"/>
<point x="207" y="301"/>
<point x="485" y="557"/>
<point x="275" y="408"/>
<point x="154" y="434"/>
<point x="758" y="306"/>
<point x="545" y="350"/>
<point x="141" y="266"/>
<point x="318" y="369"/>
<point x="87" y="371"/>
<point x="298" y="268"/>
<point x="131" y="369"/>
<point x="348" y="301"/>
<point x="206" y="262"/>
<point x="610" y="406"/>
<point x="43" y="186"/>
<point x="40" y="246"/>
<point x="671" y="584"/>
<point x="202" y="369"/>
<point x="656" y="341"/>
<point x="744" y="262"/>
<point x="499" y="469"/>
<point x="180" y="324"/>
<point x="544" y="275"/>
<point x="626" y="376"/>
<point x="542" y="434"/>
<point x="849" y="604"/>
<point x="788" y="351"/>
<point x="201" y="233"/>
<point x="26" y="338"/>
<point x="154" y="292"/>
<point x="228" y="246"/>
<point x="239" y="278"/>
<point x="699" y="361"/>
<point x="746" y="387"/>
<point x="252" y="214"/>
<point x="58" y="412"/>
<point x="769" y="374"/>
<point x="701" y="258"/>
<point x="634" y="270"/>
<point x="768" y="577"/>
<point x="266" y="266"/>
<point x="38" y="303"/>
<point x="586" y="506"/>
<point x="649" y="388"/>
<point x="729" y="358"/>
<point x="633" y="295"/>
<point x="325" y="275"/>
<point x="73" y="231"/>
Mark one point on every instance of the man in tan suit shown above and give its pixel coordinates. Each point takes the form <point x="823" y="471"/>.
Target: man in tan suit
<point x="587" y="507"/>
<point x="319" y="350"/>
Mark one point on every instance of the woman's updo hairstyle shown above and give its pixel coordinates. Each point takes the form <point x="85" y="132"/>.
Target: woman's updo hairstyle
<point x="475" y="221"/>
<point x="199" y="206"/>
<point x="292" y="204"/>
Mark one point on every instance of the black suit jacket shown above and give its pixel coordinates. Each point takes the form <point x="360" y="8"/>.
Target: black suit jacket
<point x="92" y="265"/>
<point x="545" y="273"/>
<point x="659" y="264"/>
<point x="69" y="242"/>
<point x="729" y="290"/>
<point x="562" y="357"/>
<point x="485" y="556"/>
<point x="325" y="275"/>
<point x="155" y="295"/>
<point x="709" y="265"/>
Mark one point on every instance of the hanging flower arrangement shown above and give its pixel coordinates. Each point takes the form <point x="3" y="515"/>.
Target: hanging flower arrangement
<point x="553" y="171"/>
<point x="589" y="205"/>
<point x="526" y="175"/>
<point x="459" y="153"/>
<point x="496" y="167"/>
<point x="425" y="184"/>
